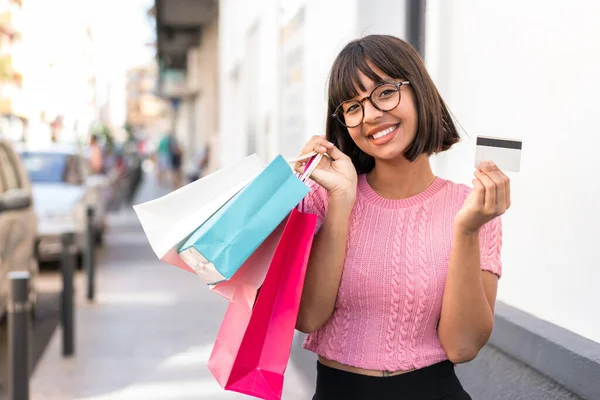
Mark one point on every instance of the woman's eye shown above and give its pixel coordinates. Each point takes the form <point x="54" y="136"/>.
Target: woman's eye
<point x="352" y="109"/>
<point x="387" y="93"/>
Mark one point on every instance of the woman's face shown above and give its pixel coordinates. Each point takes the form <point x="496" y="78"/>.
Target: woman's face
<point x="399" y="124"/>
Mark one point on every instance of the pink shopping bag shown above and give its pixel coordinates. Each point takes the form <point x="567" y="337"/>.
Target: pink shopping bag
<point x="252" y="349"/>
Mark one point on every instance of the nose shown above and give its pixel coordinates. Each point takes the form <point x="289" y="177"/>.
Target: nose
<point x="372" y="114"/>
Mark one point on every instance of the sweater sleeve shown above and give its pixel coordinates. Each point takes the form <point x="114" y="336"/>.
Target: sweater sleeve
<point x="315" y="202"/>
<point x="490" y="241"/>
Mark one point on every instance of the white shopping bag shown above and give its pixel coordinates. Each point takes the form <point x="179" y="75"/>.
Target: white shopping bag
<point x="170" y="219"/>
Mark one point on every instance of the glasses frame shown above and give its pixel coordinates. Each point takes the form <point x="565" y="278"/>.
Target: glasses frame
<point x="339" y="117"/>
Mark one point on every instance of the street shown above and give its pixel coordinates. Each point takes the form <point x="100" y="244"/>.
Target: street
<point x="149" y="333"/>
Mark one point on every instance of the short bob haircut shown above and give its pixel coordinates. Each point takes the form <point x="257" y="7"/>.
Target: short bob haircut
<point x="436" y="131"/>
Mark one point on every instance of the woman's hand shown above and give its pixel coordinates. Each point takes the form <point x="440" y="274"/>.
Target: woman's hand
<point x="335" y="173"/>
<point x="489" y="198"/>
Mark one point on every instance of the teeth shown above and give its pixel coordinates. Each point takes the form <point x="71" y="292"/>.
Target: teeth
<point x="384" y="132"/>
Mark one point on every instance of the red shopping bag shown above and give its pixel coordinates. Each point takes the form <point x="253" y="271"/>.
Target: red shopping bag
<point x="252" y="349"/>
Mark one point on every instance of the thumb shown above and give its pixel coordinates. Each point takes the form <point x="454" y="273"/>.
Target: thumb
<point x="334" y="153"/>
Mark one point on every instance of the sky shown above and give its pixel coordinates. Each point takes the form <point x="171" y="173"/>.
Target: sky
<point x="122" y="33"/>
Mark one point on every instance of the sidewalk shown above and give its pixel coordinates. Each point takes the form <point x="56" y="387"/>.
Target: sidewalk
<point x="149" y="333"/>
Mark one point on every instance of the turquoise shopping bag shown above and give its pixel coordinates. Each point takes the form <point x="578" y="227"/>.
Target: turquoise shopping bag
<point x="218" y="248"/>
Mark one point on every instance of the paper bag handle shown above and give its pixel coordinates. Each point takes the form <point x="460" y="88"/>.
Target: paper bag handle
<point x="311" y="165"/>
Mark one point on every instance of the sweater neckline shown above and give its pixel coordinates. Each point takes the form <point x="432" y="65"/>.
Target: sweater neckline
<point x="416" y="199"/>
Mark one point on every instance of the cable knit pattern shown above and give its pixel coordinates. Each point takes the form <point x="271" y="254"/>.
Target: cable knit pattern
<point x="423" y="277"/>
<point x="409" y="294"/>
<point x="390" y="348"/>
<point x="391" y="290"/>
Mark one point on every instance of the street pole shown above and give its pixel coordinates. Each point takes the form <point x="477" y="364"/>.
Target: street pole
<point x="19" y="336"/>
<point x="90" y="252"/>
<point x="67" y="319"/>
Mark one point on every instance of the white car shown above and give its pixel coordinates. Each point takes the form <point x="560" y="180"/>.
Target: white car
<point x="62" y="192"/>
<point x="18" y="225"/>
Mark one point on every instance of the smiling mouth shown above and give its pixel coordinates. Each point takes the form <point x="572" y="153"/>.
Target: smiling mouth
<point x="384" y="132"/>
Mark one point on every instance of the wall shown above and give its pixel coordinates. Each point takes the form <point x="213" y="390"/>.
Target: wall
<point x="519" y="70"/>
<point x="528" y="70"/>
<point x="237" y="19"/>
<point x="206" y="102"/>
<point x="197" y="119"/>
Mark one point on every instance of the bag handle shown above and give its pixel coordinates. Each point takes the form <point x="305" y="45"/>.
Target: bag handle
<point x="311" y="165"/>
<point x="314" y="159"/>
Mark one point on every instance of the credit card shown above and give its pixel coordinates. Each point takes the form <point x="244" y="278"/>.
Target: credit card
<point x="505" y="153"/>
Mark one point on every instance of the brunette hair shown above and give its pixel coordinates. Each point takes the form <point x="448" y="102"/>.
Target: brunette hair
<point x="436" y="131"/>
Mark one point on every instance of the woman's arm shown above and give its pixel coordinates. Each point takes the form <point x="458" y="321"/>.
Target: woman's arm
<point x="336" y="175"/>
<point x="467" y="316"/>
<point x="325" y="267"/>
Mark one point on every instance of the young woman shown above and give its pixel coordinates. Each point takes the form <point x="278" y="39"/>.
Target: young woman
<point x="402" y="277"/>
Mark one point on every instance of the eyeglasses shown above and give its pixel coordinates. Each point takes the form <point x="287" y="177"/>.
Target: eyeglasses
<point x="384" y="97"/>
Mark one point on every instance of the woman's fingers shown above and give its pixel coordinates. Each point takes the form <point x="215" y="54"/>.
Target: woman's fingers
<point x="320" y="145"/>
<point x="502" y="184"/>
<point x="479" y="192"/>
<point x="504" y="181"/>
<point x="489" y="205"/>
<point x="490" y="170"/>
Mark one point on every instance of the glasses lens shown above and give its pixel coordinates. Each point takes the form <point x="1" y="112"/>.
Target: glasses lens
<point x="386" y="97"/>
<point x="352" y="113"/>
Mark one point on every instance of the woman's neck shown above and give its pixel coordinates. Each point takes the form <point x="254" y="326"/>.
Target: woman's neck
<point x="401" y="179"/>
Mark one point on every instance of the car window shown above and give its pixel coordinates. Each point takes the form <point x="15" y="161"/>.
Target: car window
<point x="45" y="167"/>
<point x="9" y="170"/>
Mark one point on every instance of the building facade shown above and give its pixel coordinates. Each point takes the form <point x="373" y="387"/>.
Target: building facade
<point x="13" y="112"/>
<point x="187" y="43"/>
<point x="147" y="114"/>
<point x="510" y="70"/>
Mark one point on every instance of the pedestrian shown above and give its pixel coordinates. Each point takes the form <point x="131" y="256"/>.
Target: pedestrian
<point x="96" y="156"/>
<point x="164" y="158"/>
<point x="176" y="153"/>
<point x="402" y="276"/>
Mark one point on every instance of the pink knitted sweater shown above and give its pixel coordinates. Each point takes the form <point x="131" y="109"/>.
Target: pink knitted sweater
<point x="390" y="296"/>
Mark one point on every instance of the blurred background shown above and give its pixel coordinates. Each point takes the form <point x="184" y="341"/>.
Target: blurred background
<point x="106" y="103"/>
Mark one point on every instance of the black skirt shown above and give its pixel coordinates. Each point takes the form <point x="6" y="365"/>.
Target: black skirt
<point x="436" y="382"/>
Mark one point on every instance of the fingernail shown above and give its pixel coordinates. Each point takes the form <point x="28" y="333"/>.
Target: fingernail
<point x="492" y="164"/>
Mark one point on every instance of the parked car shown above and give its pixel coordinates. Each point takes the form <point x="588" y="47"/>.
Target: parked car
<point x="62" y="192"/>
<point x="18" y="223"/>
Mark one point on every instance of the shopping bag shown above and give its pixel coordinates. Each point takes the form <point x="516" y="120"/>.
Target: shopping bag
<point x="252" y="348"/>
<point x="218" y="248"/>
<point x="169" y="220"/>
<point x="243" y="285"/>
